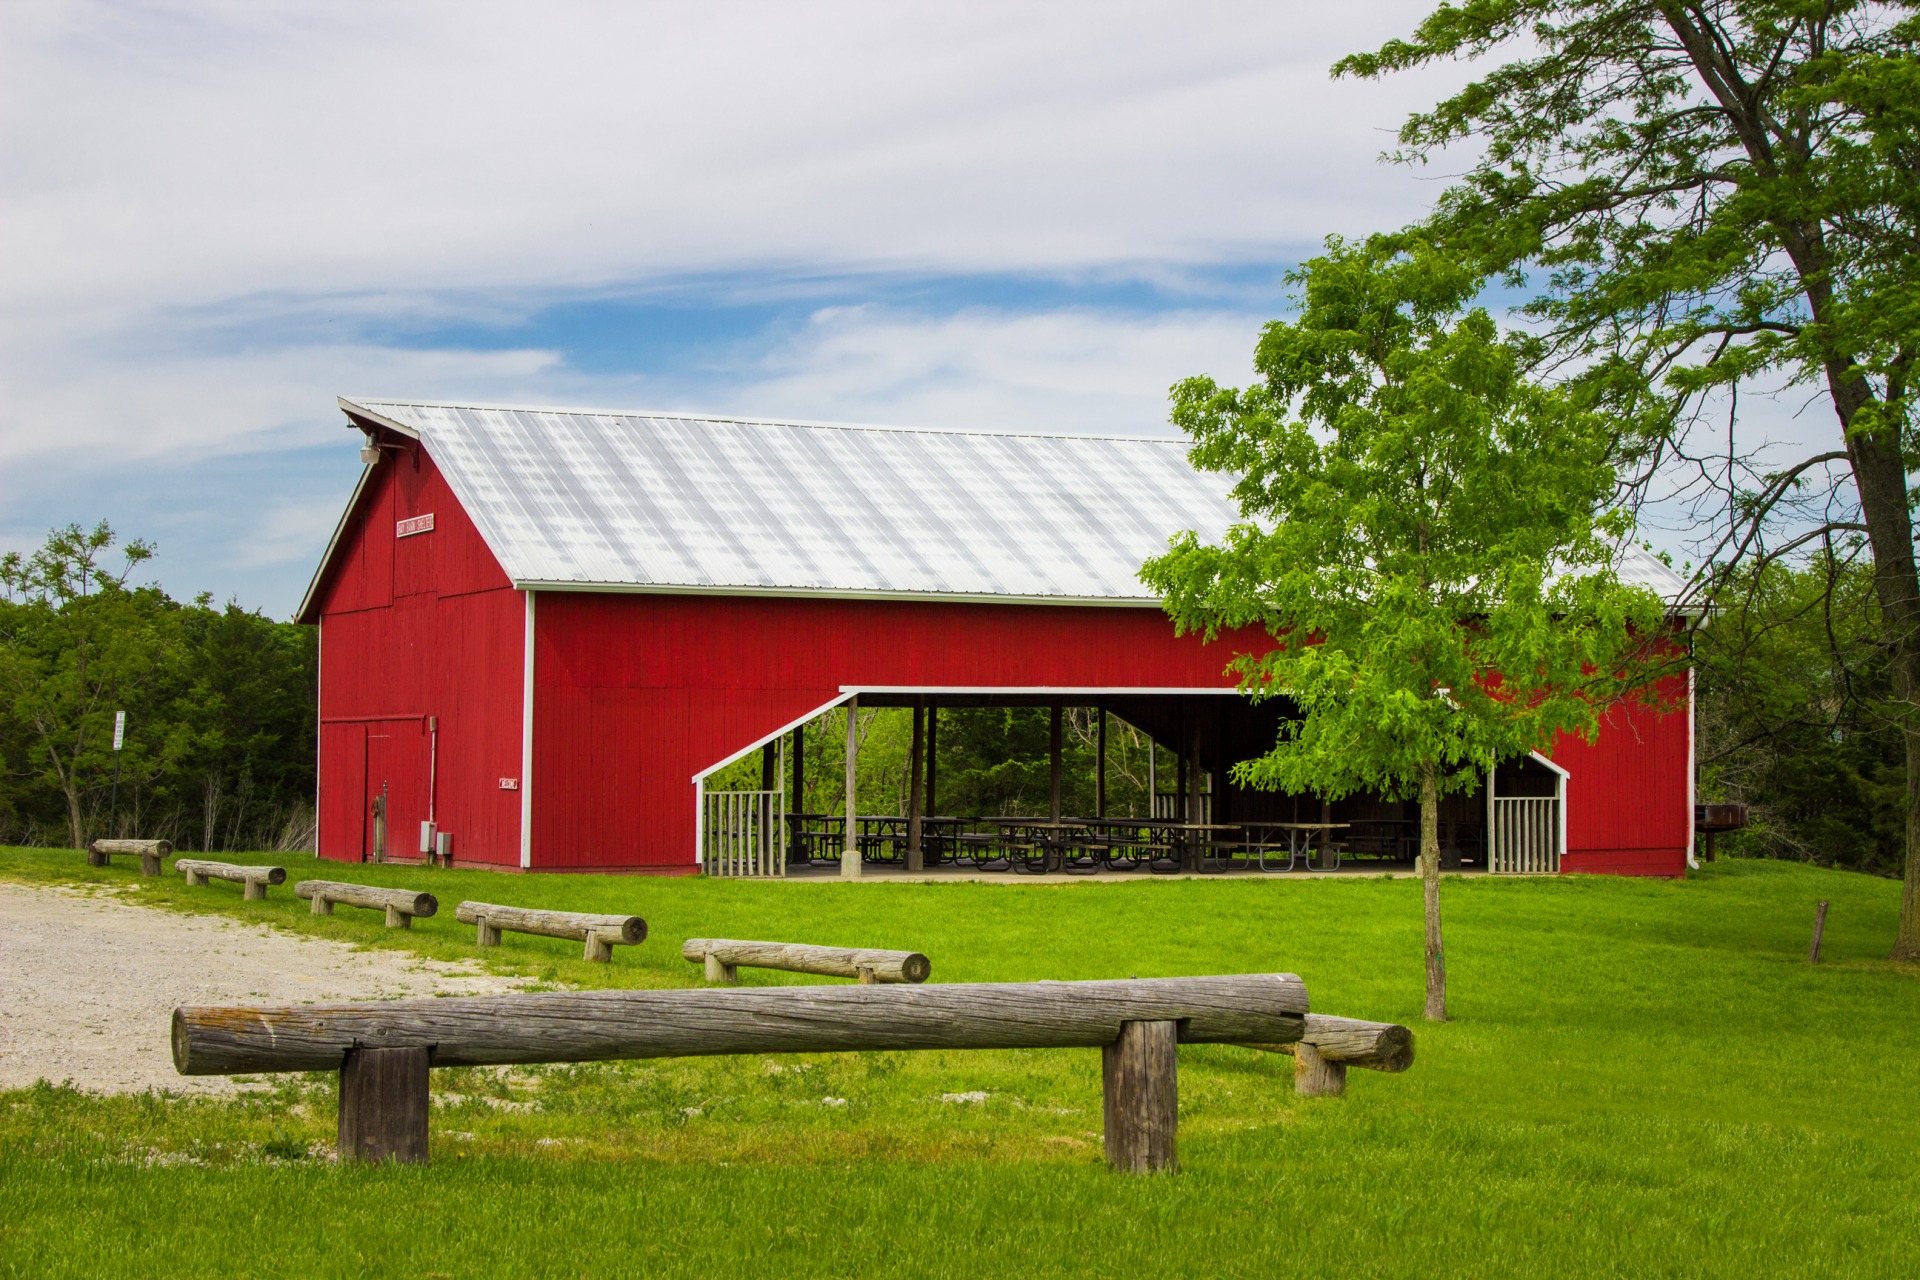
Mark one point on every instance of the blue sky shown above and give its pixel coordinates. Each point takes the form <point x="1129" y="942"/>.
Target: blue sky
<point x="220" y="214"/>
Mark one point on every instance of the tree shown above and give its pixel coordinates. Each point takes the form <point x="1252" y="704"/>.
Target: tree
<point x="1714" y="191"/>
<point x="1427" y="538"/>
<point x="75" y="643"/>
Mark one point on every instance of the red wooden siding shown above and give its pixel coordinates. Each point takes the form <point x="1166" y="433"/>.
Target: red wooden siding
<point x="634" y="694"/>
<point x="441" y="636"/>
<point x="1628" y="805"/>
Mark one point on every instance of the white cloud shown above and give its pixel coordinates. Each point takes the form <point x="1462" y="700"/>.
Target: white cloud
<point x="1072" y="370"/>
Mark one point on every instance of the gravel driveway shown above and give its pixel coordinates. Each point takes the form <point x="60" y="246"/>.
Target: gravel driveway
<point x="88" y="985"/>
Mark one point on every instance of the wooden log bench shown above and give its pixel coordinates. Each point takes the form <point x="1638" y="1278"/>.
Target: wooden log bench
<point x="401" y="905"/>
<point x="150" y="852"/>
<point x="384" y="1049"/>
<point x="255" y="879"/>
<point x="1329" y="1045"/>
<point x="724" y="956"/>
<point x="600" y="933"/>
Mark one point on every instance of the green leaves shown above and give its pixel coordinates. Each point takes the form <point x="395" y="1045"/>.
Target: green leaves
<point x="1428" y="538"/>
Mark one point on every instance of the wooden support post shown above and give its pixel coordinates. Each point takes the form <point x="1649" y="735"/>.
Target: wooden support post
<point x="868" y="977"/>
<point x="1139" y="1077"/>
<point x="383" y="1105"/>
<point x="597" y="948"/>
<point x="254" y="890"/>
<point x="398" y="919"/>
<point x="321" y="906"/>
<point x="1053" y="756"/>
<point x="933" y="744"/>
<point x="1314" y="1075"/>
<point x="485" y="935"/>
<point x="770" y="767"/>
<point x="1197" y="844"/>
<point x="719" y="971"/>
<point x="797" y="804"/>
<point x="916" y="784"/>
<point x="1100" y="764"/>
<point x="850" y="852"/>
<point x="1819" y="929"/>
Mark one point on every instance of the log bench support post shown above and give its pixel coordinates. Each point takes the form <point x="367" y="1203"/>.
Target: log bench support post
<point x="1139" y="1078"/>
<point x="322" y="906"/>
<point x="398" y="919"/>
<point x="383" y="1106"/>
<point x="484" y="934"/>
<point x="720" y="971"/>
<point x="1315" y="1076"/>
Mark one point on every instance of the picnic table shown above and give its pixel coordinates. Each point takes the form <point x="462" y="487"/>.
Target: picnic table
<point x="1299" y="838"/>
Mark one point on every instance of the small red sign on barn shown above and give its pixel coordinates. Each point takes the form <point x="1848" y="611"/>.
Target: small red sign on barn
<point x="413" y="525"/>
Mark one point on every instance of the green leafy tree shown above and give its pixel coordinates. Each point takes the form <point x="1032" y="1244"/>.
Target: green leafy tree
<point x="1713" y="191"/>
<point x="77" y="644"/>
<point x="1427" y="539"/>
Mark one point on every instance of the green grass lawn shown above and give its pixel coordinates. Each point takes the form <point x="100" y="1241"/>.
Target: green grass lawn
<point x="1643" y="1078"/>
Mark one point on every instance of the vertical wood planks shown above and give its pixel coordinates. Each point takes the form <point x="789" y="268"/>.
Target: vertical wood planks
<point x="1139" y="1078"/>
<point x="383" y="1105"/>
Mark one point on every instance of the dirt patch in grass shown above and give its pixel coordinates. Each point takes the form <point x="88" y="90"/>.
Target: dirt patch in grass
<point x="92" y="984"/>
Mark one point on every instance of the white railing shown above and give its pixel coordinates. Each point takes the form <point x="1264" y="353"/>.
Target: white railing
<point x="1171" y="806"/>
<point x="743" y="834"/>
<point x="1525" y="839"/>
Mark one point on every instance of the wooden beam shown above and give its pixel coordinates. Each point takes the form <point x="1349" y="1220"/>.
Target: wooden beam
<point x="585" y="1026"/>
<point x="401" y="905"/>
<point x="1053" y="756"/>
<point x="799" y="957"/>
<point x="797" y="803"/>
<point x="850" y="853"/>
<point x="916" y="787"/>
<point x="255" y="879"/>
<point x="150" y="852"/>
<point x="1100" y="765"/>
<point x="600" y="933"/>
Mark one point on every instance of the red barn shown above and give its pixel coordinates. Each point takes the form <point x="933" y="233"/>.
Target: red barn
<point x="541" y="630"/>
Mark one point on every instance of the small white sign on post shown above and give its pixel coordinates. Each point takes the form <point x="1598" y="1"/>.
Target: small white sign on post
<point x="119" y="729"/>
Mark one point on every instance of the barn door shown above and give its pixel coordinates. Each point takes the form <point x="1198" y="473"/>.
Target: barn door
<point x="343" y="792"/>
<point x="394" y="800"/>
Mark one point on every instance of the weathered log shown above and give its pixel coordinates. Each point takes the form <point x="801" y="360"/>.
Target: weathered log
<point x="256" y="879"/>
<point x="1351" y="1042"/>
<point x="384" y="1105"/>
<point x="1140" y="1096"/>
<point x="584" y="1026"/>
<point x="601" y="933"/>
<point x="401" y="905"/>
<point x="150" y="852"/>
<point x="729" y="954"/>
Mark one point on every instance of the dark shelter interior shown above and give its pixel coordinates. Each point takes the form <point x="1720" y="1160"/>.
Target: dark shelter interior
<point x="1078" y="819"/>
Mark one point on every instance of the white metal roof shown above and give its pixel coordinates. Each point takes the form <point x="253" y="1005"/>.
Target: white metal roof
<point x="587" y="499"/>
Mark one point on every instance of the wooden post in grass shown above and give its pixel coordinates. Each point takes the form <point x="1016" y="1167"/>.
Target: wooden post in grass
<point x="1819" y="928"/>
<point x="1139" y="1078"/>
<point x="383" y="1105"/>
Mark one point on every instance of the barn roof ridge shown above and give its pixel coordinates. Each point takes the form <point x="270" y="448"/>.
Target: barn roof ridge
<point x="368" y="403"/>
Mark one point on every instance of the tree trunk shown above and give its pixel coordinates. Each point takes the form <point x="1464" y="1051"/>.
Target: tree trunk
<point x="1430" y="890"/>
<point x="1880" y="478"/>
